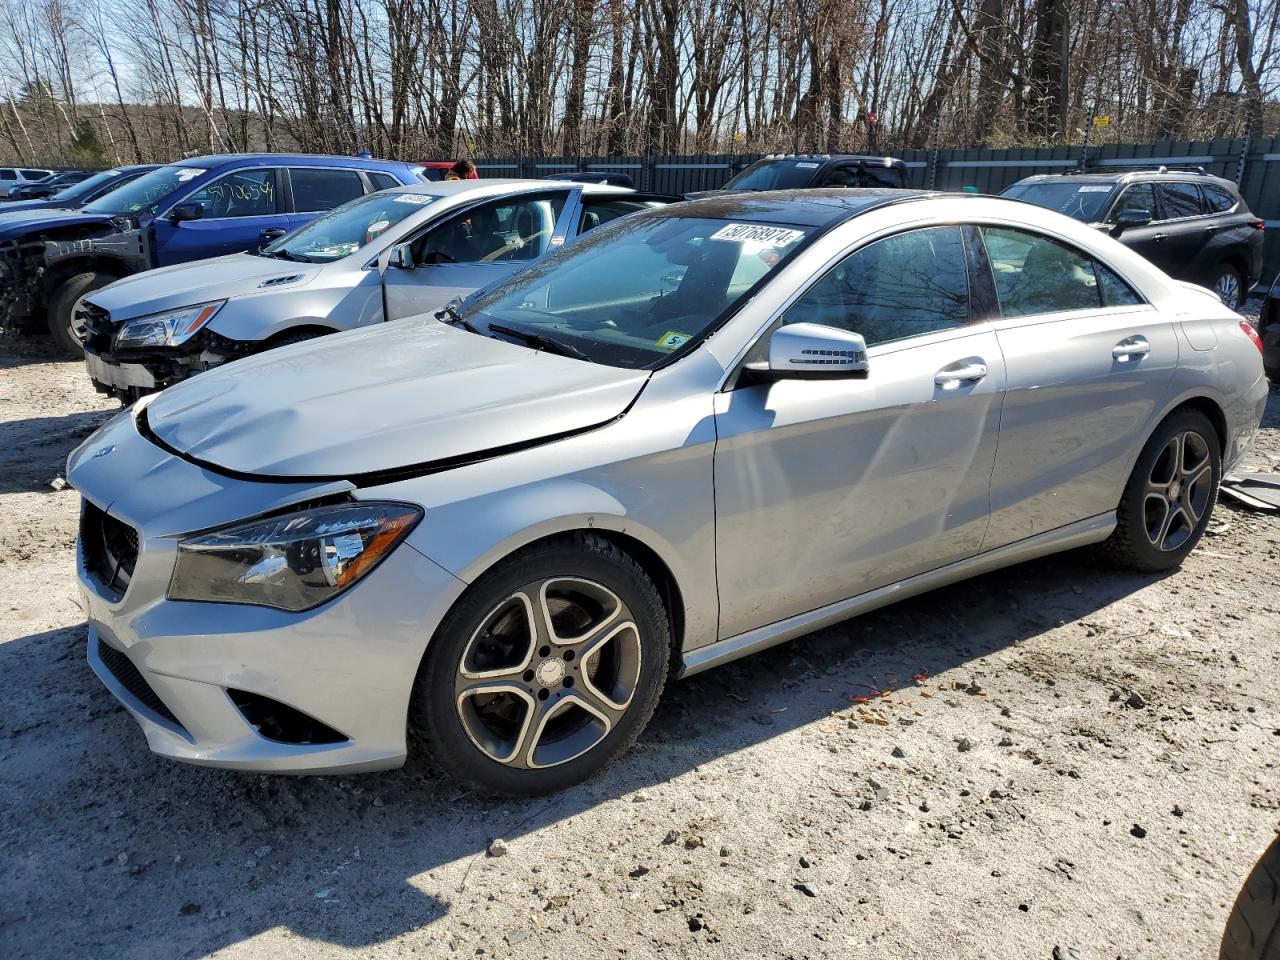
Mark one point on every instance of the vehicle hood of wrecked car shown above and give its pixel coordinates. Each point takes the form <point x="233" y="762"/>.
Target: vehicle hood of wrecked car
<point x="16" y="223"/>
<point x="403" y="394"/>
<point x="186" y="284"/>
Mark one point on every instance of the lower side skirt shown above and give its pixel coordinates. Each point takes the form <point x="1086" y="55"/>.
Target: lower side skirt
<point x="1079" y="534"/>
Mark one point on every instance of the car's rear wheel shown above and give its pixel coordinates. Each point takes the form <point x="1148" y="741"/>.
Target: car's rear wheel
<point x="63" y="304"/>
<point x="546" y="670"/>
<point x="1229" y="286"/>
<point x="1170" y="494"/>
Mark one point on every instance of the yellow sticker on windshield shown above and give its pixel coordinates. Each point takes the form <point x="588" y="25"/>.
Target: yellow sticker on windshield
<point x="671" y="340"/>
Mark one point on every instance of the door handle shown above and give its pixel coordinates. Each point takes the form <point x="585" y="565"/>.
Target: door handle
<point x="272" y="233"/>
<point x="950" y="377"/>
<point x="1131" y="347"/>
<point x="1160" y="237"/>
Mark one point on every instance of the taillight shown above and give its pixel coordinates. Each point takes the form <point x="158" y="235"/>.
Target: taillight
<point x="1252" y="334"/>
<point x="1259" y="224"/>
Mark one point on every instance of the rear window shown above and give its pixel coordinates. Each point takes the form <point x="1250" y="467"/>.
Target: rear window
<point x="1216" y="199"/>
<point x="776" y="175"/>
<point x="1080" y="200"/>
<point x="1180" y="200"/>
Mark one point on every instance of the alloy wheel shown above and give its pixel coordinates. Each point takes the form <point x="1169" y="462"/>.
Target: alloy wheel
<point x="1179" y="489"/>
<point x="548" y="673"/>
<point x="1227" y="287"/>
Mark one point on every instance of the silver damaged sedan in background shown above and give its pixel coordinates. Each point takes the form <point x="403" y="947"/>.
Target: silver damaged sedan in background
<point x="698" y="432"/>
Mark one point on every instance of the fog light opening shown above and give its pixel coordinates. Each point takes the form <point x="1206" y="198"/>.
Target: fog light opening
<point x="280" y="722"/>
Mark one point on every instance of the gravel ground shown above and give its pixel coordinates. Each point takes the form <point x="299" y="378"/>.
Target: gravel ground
<point x="1053" y="756"/>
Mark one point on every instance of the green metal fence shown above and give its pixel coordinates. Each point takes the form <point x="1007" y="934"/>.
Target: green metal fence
<point x="1255" y="166"/>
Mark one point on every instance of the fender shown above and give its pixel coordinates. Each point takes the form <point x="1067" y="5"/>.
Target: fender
<point x="130" y="249"/>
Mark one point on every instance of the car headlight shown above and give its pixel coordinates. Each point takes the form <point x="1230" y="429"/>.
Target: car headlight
<point x="168" y="329"/>
<point x="294" y="561"/>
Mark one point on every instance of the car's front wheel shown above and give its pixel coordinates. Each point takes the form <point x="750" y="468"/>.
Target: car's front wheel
<point x="63" y="303"/>
<point x="546" y="670"/>
<point x="1170" y="494"/>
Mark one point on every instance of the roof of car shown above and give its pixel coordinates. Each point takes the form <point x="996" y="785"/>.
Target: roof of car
<point x="1130" y="176"/>
<point x="320" y="159"/>
<point x="815" y="208"/>
<point x="871" y="159"/>
<point x="500" y="185"/>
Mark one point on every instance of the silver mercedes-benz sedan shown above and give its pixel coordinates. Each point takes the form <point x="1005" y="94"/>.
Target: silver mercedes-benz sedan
<point x="698" y="432"/>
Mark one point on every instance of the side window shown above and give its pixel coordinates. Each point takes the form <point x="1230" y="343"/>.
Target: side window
<point x="1115" y="292"/>
<point x="1217" y="200"/>
<point x="383" y="181"/>
<point x="8" y="175"/>
<point x="36" y="174"/>
<point x="1140" y="197"/>
<point x="317" y="189"/>
<point x="596" y="213"/>
<point x="1180" y="200"/>
<point x="902" y="286"/>
<point x="841" y="177"/>
<point x="245" y="193"/>
<point x="501" y="231"/>
<point x="1034" y="274"/>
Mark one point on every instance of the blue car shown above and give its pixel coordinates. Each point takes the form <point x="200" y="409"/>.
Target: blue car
<point x="201" y="207"/>
<point x="73" y="195"/>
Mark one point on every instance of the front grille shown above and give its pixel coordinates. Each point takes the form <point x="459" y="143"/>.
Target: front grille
<point x="131" y="679"/>
<point x="93" y="326"/>
<point x="110" y="549"/>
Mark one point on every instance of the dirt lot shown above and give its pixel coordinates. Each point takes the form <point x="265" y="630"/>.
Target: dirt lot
<point x="1053" y="756"/>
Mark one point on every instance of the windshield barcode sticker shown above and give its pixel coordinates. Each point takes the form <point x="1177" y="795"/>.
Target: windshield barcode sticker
<point x="189" y="173"/>
<point x="807" y="166"/>
<point x="757" y="233"/>
<point x="417" y="199"/>
<point x="1102" y="189"/>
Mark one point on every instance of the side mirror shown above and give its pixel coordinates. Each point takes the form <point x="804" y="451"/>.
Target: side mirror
<point x="1130" y="218"/>
<point x="813" y="351"/>
<point x="186" y="211"/>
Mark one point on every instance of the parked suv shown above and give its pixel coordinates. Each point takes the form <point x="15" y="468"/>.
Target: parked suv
<point x="1192" y="226"/>
<point x="14" y="176"/>
<point x="801" y="171"/>
<point x="397" y="253"/>
<point x="189" y="210"/>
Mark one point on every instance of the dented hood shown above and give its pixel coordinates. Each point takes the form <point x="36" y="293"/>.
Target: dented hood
<point x="411" y="394"/>
<point x="202" y="281"/>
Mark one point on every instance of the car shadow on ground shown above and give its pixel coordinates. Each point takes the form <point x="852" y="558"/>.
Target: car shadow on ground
<point x="335" y="858"/>
<point x="35" y="449"/>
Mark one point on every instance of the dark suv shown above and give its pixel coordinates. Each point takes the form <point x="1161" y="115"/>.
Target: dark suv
<point x="800" y="171"/>
<point x="1192" y="226"/>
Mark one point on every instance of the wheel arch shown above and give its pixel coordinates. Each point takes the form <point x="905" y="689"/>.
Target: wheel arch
<point x="307" y="327"/>
<point x="1211" y="410"/>
<point x="626" y="536"/>
<point x="63" y="270"/>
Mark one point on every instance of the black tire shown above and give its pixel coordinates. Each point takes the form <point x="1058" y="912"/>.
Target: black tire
<point x="1227" y="279"/>
<point x="1253" y="926"/>
<point x="62" y="305"/>
<point x="436" y="712"/>
<point x="1131" y="544"/>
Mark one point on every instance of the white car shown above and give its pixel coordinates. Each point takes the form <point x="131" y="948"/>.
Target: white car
<point x="380" y="257"/>
<point x="11" y="177"/>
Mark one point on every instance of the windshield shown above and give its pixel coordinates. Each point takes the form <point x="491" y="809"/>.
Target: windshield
<point x="634" y="292"/>
<point x="77" y="190"/>
<point x="143" y="194"/>
<point x="1083" y="201"/>
<point x="775" y="175"/>
<point x="345" y="229"/>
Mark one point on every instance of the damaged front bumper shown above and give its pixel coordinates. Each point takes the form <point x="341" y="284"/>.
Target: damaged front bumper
<point x="129" y="374"/>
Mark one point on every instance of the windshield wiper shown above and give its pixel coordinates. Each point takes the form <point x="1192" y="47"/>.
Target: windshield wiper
<point x="540" y="341"/>
<point x="449" y="314"/>
<point x="286" y="255"/>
